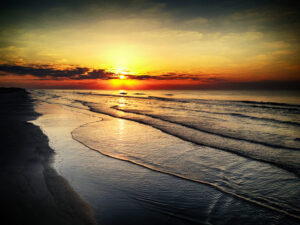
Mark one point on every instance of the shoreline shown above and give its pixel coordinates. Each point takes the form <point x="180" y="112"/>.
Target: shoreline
<point x="32" y="191"/>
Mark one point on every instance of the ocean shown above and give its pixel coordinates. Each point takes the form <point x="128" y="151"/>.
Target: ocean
<point x="178" y="156"/>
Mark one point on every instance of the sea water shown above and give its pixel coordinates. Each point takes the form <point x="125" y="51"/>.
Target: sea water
<point x="243" y="145"/>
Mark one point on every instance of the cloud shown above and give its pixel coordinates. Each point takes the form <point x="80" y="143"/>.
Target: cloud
<point x="171" y="76"/>
<point x="88" y="76"/>
<point x="84" y="73"/>
<point x="44" y="72"/>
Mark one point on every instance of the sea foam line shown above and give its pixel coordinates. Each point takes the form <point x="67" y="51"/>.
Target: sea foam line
<point x="76" y="138"/>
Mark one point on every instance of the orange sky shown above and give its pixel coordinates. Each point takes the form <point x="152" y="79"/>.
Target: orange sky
<point x="154" y="45"/>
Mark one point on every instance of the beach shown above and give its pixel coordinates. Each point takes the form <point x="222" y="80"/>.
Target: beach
<point x="92" y="157"/>
<point x="32" y="192"/>
<point x="151" y="112"/>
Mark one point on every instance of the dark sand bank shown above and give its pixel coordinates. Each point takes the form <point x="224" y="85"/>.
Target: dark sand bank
<point x="31" y="190"/>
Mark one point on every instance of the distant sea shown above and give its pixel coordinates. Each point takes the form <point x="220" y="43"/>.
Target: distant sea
<point x="242" y="145"/>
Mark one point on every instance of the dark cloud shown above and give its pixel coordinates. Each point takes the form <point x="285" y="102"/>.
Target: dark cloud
<point x="42" y="12"/>
<point x="211" y="81"/>
<point x="44" y="72"/>
<point x="192" y="7"/>
<point x="18" y="11"/>
<point x="84" y="73"/>
<point x="173" y="76"/>
<point x="97" y="74"/>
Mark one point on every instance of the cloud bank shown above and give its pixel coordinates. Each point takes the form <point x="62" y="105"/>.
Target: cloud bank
<point x="83" y="73"/>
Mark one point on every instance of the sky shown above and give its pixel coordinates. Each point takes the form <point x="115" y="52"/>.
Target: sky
<point x="150" y="44"/>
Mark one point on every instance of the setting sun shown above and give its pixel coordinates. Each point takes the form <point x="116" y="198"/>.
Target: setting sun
<point x="122" y="77"/>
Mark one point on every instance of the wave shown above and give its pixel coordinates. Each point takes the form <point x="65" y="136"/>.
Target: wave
<point x="112" y="95"/>
<point x="261" y="104"/>
<point x="254" y="104"/>
<point x="201" y="129"/>
<point x="206" y="131"/>
<point x="238" y="115"/>
<point x="283" y="158"/>
<point x="295" y="108"/>
<point x="270" y="103"/>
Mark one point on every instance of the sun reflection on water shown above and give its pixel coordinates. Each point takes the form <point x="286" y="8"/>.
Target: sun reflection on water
<point x="121" y="102"/>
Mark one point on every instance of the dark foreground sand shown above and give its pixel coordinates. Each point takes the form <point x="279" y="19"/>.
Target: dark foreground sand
<point x="31" y="190"/>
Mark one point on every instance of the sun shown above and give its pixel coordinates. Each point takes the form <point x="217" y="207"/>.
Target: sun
<point x="122" y="77"/>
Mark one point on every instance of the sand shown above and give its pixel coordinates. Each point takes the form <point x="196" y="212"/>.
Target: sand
<point x="31" y="191"/>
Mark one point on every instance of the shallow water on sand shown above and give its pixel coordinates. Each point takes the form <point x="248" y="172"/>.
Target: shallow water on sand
<point x="260" y="191"/>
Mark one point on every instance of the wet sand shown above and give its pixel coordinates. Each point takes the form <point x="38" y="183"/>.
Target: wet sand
<point x="32" y="192"/>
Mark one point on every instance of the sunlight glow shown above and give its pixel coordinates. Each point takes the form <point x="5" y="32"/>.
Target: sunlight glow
<point x="122" y="77"/>
<point x="122" y="84"/>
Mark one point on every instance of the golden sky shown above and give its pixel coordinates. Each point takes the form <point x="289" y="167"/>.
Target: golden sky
<point x="152" y="43"/>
